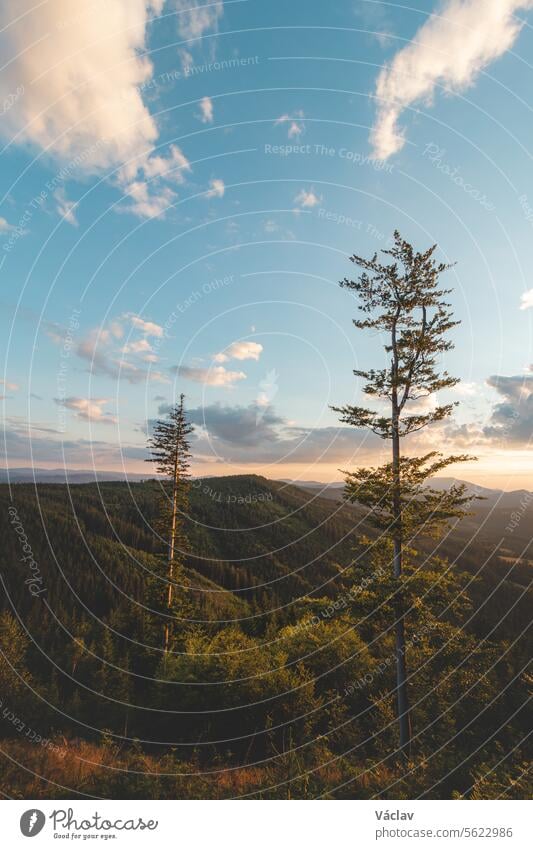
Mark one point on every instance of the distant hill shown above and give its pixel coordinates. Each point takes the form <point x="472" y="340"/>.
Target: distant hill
<point x="501" y="519"/>
<point x="248" y="532"/>
<point x="29" y="475"/>
<point x="504" y="498"/>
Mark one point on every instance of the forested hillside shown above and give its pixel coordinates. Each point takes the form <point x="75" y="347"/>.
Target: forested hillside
<point x="281" y="683"/>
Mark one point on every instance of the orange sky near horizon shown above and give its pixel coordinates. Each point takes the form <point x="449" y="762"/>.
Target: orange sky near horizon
<point x="508" y="470"/>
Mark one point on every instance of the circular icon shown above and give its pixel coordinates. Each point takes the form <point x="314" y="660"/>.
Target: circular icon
<point x="32" y="822"/>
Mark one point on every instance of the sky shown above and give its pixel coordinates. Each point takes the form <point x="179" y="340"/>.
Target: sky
<point x="182" y="185"/>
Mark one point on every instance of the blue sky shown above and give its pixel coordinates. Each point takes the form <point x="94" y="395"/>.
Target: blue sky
<point x="182" y="184"/>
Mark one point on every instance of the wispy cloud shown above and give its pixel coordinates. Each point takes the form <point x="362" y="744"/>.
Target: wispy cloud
<point x="5" y="226"/>
<point x="23" y="443"/>
<point x="214" y="376"/>
<point x="66" y="208"/>
<point x="149" y="328"/>
<point x="141" y="182"/>
<point x="449" y="50"/>
<point x="466" y="390"/>
<point x="206" y="110"/>
<point x="294" y="121"/>
<point x="149" y="167"/>
<point x="526" y="300"/>
<point x="107" y="354"/>
<point x="87" y="409"/>
<point x="307" y="199"/>
<point x="146" y="203"/>
<point x="376" y="18"/>
<point x="141" y="346"/>
<point x="197" y="17"/>
<point x="240" y="351"/>
<point x="216" y="190"/>
<point x="268" y="389"/>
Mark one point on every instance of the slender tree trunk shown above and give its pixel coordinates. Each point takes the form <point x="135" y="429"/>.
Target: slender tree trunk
<point x="171" y="546"/>
<point x="404" y="719"/>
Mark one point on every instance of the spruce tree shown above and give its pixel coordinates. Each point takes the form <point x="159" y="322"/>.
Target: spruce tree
<point x="402" y="300"/>
<point x="170" y="449"/>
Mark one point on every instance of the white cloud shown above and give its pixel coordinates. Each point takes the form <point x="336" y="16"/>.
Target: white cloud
<point x="87" y="409"/>
<point x="307" y="199"/>
<point x="171" y="167"/>
<point x="526" y="300"/>
<point x="134" y="374"/>
<point x="55" y="332"/>
<point x="116" y="329"/>
<point x="449" y="50"/>
<point x="217" y="189"/>
<point x="81" y="69"/>
<point x="141" y="346"/>
<point x="7" y="384"/>
<point x="295" y="130"/>
<point x="66" y="207"/>
<point x="145" y="202"/>
<point x="240" y="351"/>
<point x="216" y="376"/>
<point x="149" y="328"/>
<point x="268" y="387"/>
<point x="5" y="226"/>
<point x="99" y="348"/>
<point x="141" y="182"/>
<point x="93" y="348"/>
<point x="296" y="125"/>
<point x="206" y="108"/>
<point x="186" y="58"/>
<point x="467" y="390"/>
<point x="376" y="21"/>
<point x="196" y="17"/>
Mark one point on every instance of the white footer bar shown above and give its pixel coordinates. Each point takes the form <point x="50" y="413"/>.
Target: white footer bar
<point x="269" y="824"/>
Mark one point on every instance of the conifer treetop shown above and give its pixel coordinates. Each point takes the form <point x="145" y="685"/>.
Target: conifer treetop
<point x="404" y="300"/>
<point x="169" y="444"/>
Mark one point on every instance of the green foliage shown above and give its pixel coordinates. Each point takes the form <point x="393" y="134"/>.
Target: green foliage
<point x="293" y="704"/>
<point x="170" y="451"/>
<point x="402" y="301"/>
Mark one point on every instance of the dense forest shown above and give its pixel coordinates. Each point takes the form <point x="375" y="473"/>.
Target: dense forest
<point x="280" y="682"/>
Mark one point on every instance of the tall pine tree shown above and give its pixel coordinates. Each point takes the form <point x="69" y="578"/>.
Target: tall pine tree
<point x="403" y="301"/>
<point x="170" y="449"/>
